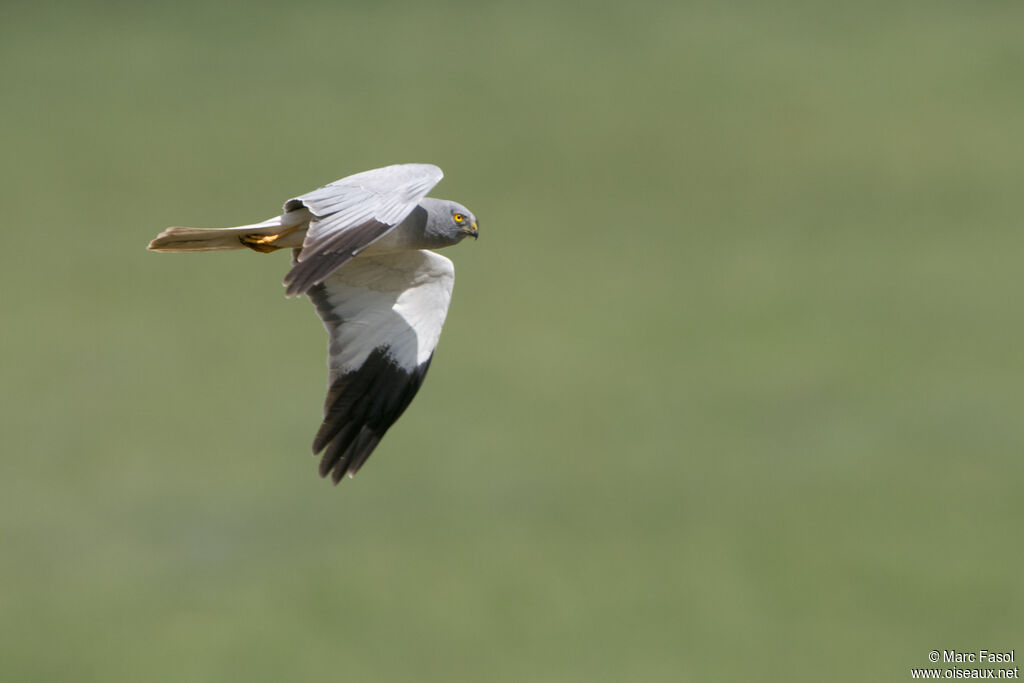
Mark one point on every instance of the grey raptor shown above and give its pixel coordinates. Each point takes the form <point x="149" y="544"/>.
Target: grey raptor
<point x="361" y="252"/>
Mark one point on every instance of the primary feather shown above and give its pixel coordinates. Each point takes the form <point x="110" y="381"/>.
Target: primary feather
<point x="360" y="253"/>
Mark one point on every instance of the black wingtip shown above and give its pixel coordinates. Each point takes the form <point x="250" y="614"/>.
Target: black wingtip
<point x="361" y="406"/>
<point x="347" y="453"/>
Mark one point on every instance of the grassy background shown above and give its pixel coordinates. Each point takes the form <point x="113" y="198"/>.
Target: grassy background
<point x="731" y="387"/>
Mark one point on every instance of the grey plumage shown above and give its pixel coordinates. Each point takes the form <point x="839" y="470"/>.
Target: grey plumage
<point x="338" y="221"/>
<point x="350" y="214"/>
<point x="360" y="250"/>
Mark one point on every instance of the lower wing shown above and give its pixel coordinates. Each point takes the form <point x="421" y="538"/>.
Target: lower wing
<point x="384" y="315"/>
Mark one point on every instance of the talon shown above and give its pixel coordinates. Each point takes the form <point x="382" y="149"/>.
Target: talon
<point x="261" y="243"/>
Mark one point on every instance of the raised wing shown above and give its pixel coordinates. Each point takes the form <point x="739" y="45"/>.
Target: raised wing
<point x="384" y="315"/>
<point x="351" y="213"/>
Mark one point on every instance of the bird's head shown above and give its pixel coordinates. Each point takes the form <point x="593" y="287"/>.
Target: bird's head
<point x="448" y="222"/>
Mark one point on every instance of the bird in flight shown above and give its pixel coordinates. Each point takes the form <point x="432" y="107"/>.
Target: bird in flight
<point x="361" y="250"/>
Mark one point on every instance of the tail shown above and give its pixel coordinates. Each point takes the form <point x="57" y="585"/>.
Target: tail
<point x="258" y="236"/>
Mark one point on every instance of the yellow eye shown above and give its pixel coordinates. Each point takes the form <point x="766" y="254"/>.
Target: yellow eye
<point x="459" y="218"/>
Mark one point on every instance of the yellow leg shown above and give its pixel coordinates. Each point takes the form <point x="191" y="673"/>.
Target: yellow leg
<point x="265" y="243"/>
<point x="261" y="243"/>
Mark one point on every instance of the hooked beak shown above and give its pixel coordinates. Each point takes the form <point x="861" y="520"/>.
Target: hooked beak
<point x="473" y="231"/>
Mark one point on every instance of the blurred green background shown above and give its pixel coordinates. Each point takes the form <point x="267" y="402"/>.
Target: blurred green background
<point x="730" y="389"/>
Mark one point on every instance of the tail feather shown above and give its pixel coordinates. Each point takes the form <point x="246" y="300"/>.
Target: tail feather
<point x="212" y="239"/>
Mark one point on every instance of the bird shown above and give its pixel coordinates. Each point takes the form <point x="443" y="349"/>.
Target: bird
<point x="363" y="252"/>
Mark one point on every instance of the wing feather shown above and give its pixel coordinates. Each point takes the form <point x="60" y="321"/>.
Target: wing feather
<point x="350" y="214"/>
<point x="383" y="315"/>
